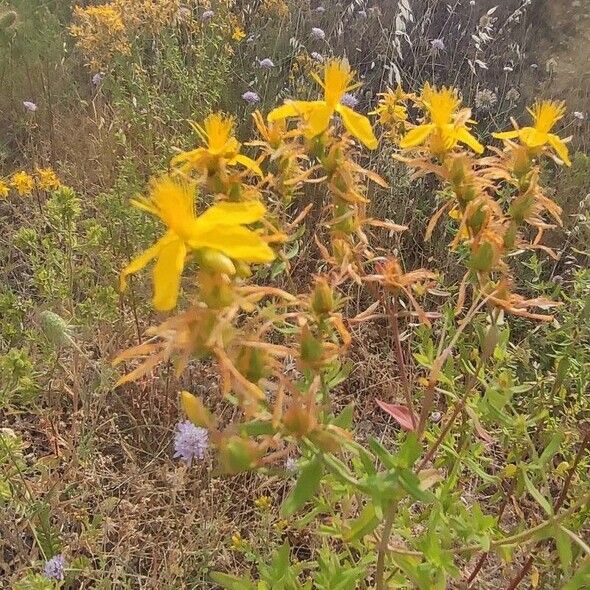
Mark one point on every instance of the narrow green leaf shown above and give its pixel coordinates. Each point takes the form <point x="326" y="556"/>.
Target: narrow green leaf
<point x="551" y="449"/>
<point x="564" y="549"/>
<point x="366" y="523"/>
<point x="306" y="486"/>
<point x="230" y="582"/>
<point x="536" y="494"/>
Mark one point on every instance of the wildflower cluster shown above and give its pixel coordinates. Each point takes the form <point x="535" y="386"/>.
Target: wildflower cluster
<point x="23" y="183"/>
<point x="278" y="354"/>
<point x="490" y="228"/>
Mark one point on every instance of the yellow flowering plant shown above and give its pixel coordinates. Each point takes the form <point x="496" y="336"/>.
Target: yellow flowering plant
<point x="23" y="183"/>
<point x="251" y="331"/>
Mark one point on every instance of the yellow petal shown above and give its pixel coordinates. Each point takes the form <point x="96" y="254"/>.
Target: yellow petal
<point x="235" y="241"/>
<point x="318" y="119"/>
<point x="358" y="125"/>
<point x="167" y="273"/>
<point x="140" y="261"/>
<point x="248" y="163"/>
<point x="227" y="213"/>
<point x="462" y="134"/>
<point x="533" y="138"/>
<point x="293" y="108"/>
<point x="416" y="137"/>
<point x="560" y="148"/>
<point x="506" y="135"/>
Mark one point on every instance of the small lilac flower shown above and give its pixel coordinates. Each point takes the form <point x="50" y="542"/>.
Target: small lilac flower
<point x="317" y="34"/>
<point x="437" y="45"/>
<point x="320" y="10"/>
<point x="349" y="100"/>
<point x="54" y="567"/>
<point x="579" y="115"/>
<point x="207" y="16"/>
<point x="190" y="442"/>
<point x="291" y="464"/>
<point x="317" y="56"/>
<point x="266" y="63"/>
<point x="251" y="97"/>
<point x="97" y="78"/>
<point x="362" y="13"/>
<point x="30" y="106"/>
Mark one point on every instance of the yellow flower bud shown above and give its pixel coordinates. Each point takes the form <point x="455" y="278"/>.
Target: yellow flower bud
<point x="509" y="471"/>
<point x="322" y="299"/>
<point x="215" y="261"/>
<point x="196" y="412"/>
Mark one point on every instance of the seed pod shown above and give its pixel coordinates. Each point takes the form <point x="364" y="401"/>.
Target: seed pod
<point x="56" y="329"/>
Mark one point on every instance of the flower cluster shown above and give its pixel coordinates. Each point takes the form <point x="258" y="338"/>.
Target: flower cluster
<point x="23" y="183"/>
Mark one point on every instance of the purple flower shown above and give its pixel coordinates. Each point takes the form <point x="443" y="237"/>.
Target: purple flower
<point x="97" y="78"/>
<point x="437" y="45"/>
<point x="251" y="97"/>
<point x="190" y="442"/>
<point x="30" y="106"/>
<point x="317" y="34"/>
<point x="207" y="16"/>
<point x="349" y="100"/>
<point x="291" y="464"/>
<point x="320" y="10"/>
<point x="317" y="56"/>
<point x="54" y="568"/>
<point x="266" y="63"/>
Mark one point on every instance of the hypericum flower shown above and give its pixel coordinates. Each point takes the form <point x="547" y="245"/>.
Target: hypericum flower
<point x="190" y="442"/>
<point x="251" y="97"/>
<point x="317" y="34"/>
<point x="22" y="183"/>
<point x="30" y="106"/>
<point x="545" y="115"/>
<point x="349" y="100"/>
<point x="219" y="228"/>
<point x="391" y="110"/>
<point x="266" y="63"/>
<point x="55" y="567"/>
<point x="317" y="113"/>
<point x="447" y="126"/>
<point x="437" y="45"/>
<point x="238" y="34"/>
<point x="207" y="16"/>
<point x="221" y="148"/>
<point x="47" y="179"/>
<point x="4" y="189"/>
<point x="485" y="99"/>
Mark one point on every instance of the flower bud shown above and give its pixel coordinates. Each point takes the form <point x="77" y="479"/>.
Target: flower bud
<point x="322" y="299"/>
<point x="214" y="261"/>
<point x="298" y="421"/>
<point x="252" y="363"/>
<point x="196" y="412"/>
<point x="311" y="349"/>
<point x="482" y="258"/>
<point x="238" y="454"/>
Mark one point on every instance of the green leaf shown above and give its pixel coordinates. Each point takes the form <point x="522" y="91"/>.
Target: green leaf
<point x="366" y="523"/>
<point x="536" y="494"/>
<point x="581" y="579"/>
<point x="306" y="486"/>
<point x="344" y="419"/>
<point x="230" y="582"/>
<point x="564" y="549"/>
<point x="551" y="449"/>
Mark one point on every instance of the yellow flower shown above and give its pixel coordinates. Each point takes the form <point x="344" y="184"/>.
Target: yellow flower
<point x="317" y="113"/>
<point x="447" y="126"/>
<point x="263" y="502"/>
<point x="23" y="183"/>
<point x="47" y="179"/>
<point x="4" y="189"/>
<point x="222" y="148"/>
<point x="238" y="34"/>
<point x="391" y="110"/>
<point x="219" y="228"/>
<point x="545" y="115"/>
